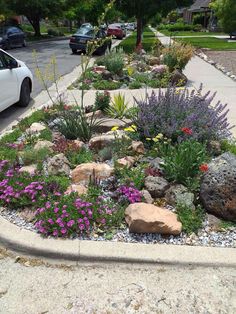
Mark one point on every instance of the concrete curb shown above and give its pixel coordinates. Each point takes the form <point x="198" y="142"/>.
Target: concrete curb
<point x="23" y="241"/>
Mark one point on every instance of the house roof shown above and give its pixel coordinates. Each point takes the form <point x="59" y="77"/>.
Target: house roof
<point x="199" y="5"/>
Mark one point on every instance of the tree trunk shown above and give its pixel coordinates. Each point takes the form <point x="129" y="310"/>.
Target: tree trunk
<point x="35" y="22"/>
<point x="139" y="33"/>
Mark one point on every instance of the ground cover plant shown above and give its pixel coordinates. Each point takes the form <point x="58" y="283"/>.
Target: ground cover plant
<point x="209" y="43"/>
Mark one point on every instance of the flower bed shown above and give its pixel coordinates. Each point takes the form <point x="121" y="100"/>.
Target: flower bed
<point x="153" y="169"/>
<point x="161" y="68"/>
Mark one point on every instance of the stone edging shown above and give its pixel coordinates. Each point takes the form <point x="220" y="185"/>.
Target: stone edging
<point x="203" y="56"/>
<point x="27" y="242"/>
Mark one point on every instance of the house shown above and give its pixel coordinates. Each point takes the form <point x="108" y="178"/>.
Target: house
<point x="199" y="7"/>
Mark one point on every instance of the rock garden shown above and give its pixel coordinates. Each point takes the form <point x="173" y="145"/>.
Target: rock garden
<point x="160" y="170"/>
<point x="161" y="67"/>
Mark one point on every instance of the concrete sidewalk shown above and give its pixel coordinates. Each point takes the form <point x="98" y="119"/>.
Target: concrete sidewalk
<point x="200" y="72"/>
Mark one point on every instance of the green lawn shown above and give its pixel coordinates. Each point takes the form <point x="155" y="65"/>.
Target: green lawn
<point x="189" y="33"/>
<point x="148" y="41"/>
<point x="210" y="43"/>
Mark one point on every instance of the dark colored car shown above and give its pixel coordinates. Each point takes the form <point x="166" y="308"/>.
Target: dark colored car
<point x="79" y="40"/>
<point x="233" y="34"/>
<point x="11" y="36"/>
<point x="116" y="30"/>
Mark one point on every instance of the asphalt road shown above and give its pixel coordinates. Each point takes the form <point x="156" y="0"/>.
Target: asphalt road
<point x="66" y="62"/>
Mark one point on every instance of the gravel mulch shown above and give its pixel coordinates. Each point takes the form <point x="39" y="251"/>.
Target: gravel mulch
<point x="227" y="59"/>
<point x="207" y="236"/>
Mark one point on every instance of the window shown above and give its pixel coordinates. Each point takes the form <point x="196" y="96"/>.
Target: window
<point x="6" y="59"/>
<point x="2" y="66"/>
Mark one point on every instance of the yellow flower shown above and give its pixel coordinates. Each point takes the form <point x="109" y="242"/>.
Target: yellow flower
<point x="134" y="127"/>
<point x="129" y="129"/>
<point x="148" y="139"/>
<point x="115" y="128"/>
<point x="155" y="140"/>
<point x="159" y="136"/>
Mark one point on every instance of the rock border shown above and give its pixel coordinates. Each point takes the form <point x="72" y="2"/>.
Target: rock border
<point x="218" y="66"/>
<point x="29" y="243"/>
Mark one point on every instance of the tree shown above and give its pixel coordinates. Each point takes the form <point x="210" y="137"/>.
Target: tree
<point x="225" y="11"/>
<point x="143" y="10"/>
<point x="35" y="10"/>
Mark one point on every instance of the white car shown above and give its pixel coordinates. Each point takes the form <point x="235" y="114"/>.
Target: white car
<point x="15" y="82"/>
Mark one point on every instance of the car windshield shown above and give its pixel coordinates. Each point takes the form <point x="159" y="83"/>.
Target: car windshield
<point x="85" y="31"/>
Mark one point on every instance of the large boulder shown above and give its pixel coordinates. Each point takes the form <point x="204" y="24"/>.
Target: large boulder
<point x="148" y="218"/>
<point x="83" y="173"/>
<point x="156" y="186"/>
<point x="35" y="127"/>
<point x="58" y="164"/>
<point x="218" y="187"/>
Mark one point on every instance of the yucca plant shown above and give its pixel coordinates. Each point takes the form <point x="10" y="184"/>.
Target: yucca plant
<point x="119" y="107"/>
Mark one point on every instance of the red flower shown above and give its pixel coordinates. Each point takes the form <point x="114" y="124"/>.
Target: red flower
<point x="187" y="131"/>
<point x="66" y="107"/>
<point x="204" y="168"/>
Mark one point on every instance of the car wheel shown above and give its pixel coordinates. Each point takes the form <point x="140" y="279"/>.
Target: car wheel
<point x="74" y="50"/>
<point x="24" y="43"/>
<point x="24" y="93"/>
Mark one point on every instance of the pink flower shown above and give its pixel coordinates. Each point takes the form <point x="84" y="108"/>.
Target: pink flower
<point x="63" y="231"/>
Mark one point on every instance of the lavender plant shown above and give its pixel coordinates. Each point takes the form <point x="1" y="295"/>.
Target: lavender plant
<point x="175" y="109"/>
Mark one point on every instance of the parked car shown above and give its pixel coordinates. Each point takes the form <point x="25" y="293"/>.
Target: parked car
<point x="130" y="27"/>
<point x="86" y="25"/>
<point x="15" y="81"/>
<point x="116" y="30"/>
<point x="233" y="34"/>
<point x="79" y="40"/>
<point x="11" y="36"/>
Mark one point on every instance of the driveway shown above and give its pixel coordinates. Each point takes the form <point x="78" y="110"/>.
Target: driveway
<point x="66" y="62"/>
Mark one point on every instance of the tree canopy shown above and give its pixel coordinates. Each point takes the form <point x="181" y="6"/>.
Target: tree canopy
<point x="225" y="10"/>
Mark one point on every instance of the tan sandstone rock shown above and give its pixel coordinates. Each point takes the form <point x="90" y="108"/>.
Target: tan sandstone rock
<point x="78" y="188"/>
<point x="137" y="147"/>
<point x="44" y="144"/>
<point x="83" y="173"/>
<point x="148" y="218"/>
<point x="127" y="161"/>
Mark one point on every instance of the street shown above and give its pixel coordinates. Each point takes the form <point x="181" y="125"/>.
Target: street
<point x="66" y="62"/>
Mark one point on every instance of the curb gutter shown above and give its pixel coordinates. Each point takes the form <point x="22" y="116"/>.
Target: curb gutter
<point x="23" y="241"/>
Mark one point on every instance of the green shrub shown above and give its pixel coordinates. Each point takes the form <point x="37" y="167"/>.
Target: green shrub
<point x="77" y="158"/>
<point x="32" y="156"/>
<point x="106" y="85"/>
<point x="177" y="55"/>
<point x="114" y="62"/>
<point x="141" y="77"/>
<point x="11" y="137"/>
<point x="229" y="146"/>
<point x="36" y="116"/>
<point x="182" y="161"/>
<point x="190" y="218"/>
<point x="45" y="135"/>
<point x="135" y="85"/>
<point x="7" y="153"/>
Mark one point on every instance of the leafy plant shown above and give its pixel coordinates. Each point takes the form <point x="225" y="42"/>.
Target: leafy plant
<point x="169" y="111"/>
<point x="119" y="107"/>
<point x="134" y="175"/>
<point x="36" y="116"/>
<point x="75" y="124"/>
<point x="190" y="218"/>
<point x="183" y="161"/>
<point x="102" y="101"/>
<point x="229" y="146"/>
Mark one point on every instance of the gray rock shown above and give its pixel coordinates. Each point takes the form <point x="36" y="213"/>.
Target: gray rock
<point x="157" y="164"/>
<point x="107" y="75"/>
<point x="147" y="196"/>
<point x="156" y="186"/>
<point x="58" y="164"/>
<point x="179" y="194"/>
<point x="218" y="187"/>
<point x="214" y="148"/>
